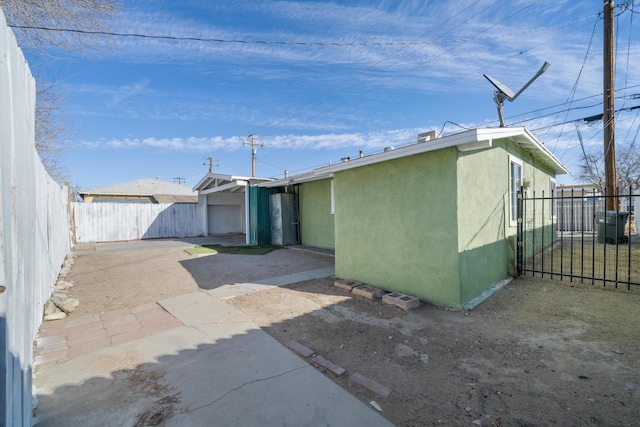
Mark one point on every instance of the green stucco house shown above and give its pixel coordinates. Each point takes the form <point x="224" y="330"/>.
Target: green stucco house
<point x="435" y="219"/>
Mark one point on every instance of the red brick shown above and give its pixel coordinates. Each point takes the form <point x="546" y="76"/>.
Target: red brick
<point x="330" y="366"/>
<point x="302" y="350"/>
<point x="376" y="387"/>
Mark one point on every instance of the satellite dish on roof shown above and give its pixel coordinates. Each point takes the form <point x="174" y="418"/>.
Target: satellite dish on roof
<point x="504" y="92"/>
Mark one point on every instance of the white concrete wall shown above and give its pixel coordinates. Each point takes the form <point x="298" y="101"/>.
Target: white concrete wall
<point x="110" y="222"/>
<point x="34" y="232"/>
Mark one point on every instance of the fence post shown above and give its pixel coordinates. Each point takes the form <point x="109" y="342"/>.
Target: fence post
<point x="519" y="235"/>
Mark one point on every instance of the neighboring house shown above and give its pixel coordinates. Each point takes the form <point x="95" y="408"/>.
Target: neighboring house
<point x="222" y="203"/>
<point x="577" y="190"/>
<point x="147" y="190"/>
<point x="435" y="219"/>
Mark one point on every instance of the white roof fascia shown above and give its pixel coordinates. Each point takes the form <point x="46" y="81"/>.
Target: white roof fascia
<point x="472" y="139"/>
<point x="297" y="179"/>
<point x="230" y="186"/>
<point x="206" y="180"/>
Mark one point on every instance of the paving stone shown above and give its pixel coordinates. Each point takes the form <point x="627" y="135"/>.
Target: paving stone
<point x="152" y="313"/>
<point x="54" y="327"/>
<point x="84" y="328"/>
<point x="122" y="328"/>
<point x="160" y="324"/>
<point x="330" y="366"/>
<point x="368" y="383"/>
<point x="368" y="291"/>
<point x="50" y="357"/>
<point x="88" y="347"/>
<point x="403" y="301"/>
<point x="346" y="284"/>
<point x="115" y="321"/>
<point x="128" y="336"/>
<point x="83" y="320"/>
<point x="145" y="307"/>
<point x="115" y="313"/>
<point x="302" y="350"/>
<point x="48" y="344"/>
<point x="85" y="336"/>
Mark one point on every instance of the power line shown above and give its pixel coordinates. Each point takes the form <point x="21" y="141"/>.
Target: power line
<point x="295" y="43"/>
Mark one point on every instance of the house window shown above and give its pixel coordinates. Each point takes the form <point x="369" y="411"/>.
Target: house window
<point x="515" y="182"/>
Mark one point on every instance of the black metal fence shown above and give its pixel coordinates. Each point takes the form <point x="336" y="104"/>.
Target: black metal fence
<point x="573" y="238"/>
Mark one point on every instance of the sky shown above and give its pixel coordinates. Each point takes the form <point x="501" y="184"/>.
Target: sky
<point x="316" y="81"/>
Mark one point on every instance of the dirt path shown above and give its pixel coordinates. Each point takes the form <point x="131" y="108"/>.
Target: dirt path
<point x="535" y="354"/>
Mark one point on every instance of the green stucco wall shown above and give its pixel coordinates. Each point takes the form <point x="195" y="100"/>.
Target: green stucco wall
<point x="316" y="220"/>
<point x="486" y="236"/>
<point x="396" y="226"/>
<point x="483" y="208"/>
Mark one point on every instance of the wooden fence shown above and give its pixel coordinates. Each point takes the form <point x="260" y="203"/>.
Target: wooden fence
<point x="112" y="221"/>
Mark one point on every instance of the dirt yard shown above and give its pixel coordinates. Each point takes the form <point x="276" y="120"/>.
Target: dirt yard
<point x="535" y="354"/>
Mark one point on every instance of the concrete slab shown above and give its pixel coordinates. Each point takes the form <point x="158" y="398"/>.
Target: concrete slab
<point x="299" y="277"/>
<point x="199" y="308"/>
<point x="226" y="373"/>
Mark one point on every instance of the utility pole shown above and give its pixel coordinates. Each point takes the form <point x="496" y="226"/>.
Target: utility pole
<point x="211" y="165"/>
<point x="179" y="180"/>
<point x="253" y="144"/>
<point x="608" y="118"/>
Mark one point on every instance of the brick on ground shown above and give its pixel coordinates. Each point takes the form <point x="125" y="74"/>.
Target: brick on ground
<point x="330" y="366"/>
<point x="403" y="301"/>
<point x="367" y="291"/>
<point x="346" y="284"/>
<point x="302" y="350"/>
<point x="368" y="383"/>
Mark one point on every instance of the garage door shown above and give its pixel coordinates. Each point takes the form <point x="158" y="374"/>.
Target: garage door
<point x="223" y="219"/>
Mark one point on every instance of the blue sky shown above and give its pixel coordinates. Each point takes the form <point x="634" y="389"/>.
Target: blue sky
<point x="362" y="75"/>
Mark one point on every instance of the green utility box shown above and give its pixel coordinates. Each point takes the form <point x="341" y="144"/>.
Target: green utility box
<point x="610" y="226"/>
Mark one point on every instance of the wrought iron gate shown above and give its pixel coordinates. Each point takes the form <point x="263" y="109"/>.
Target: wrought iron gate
<point x="573" y="238"/>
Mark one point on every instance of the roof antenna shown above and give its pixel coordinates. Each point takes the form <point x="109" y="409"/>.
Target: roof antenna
<point x="504" y="92"/>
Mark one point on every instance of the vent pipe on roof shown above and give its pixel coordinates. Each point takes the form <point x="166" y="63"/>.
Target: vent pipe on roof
<point x="428" y="136"/>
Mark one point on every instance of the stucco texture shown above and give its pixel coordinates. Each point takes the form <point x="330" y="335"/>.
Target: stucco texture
<point x="396" y="226"/>
<point x="316" y="219"/>
<point x="435" y="225"/>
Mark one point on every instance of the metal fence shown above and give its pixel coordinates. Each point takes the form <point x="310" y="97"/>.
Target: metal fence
<point x="573" y="238"/>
